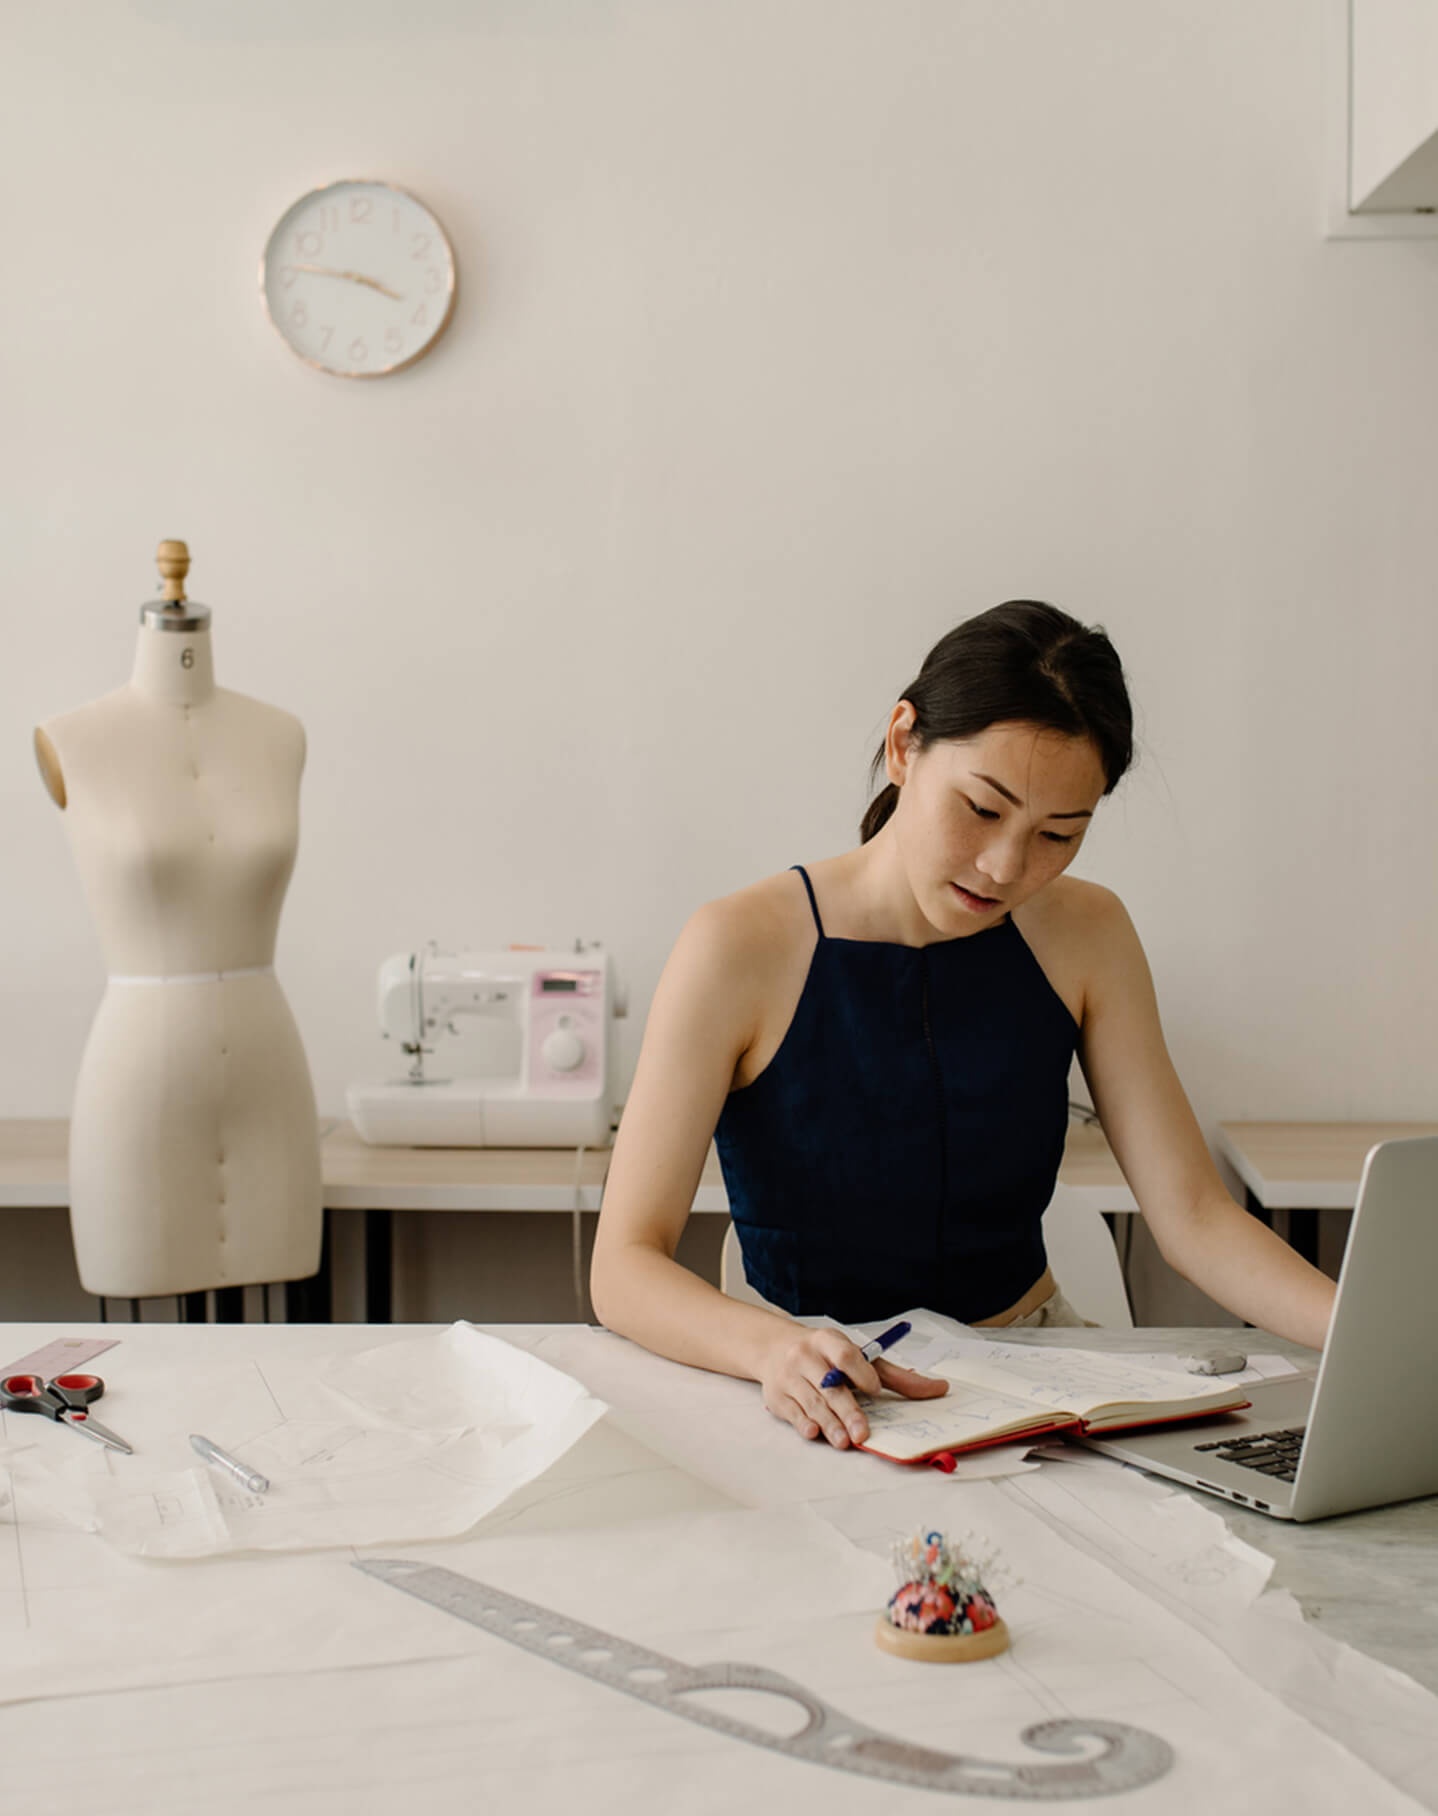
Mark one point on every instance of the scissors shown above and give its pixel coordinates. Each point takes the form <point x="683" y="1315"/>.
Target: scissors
<point x="66" y="1399"/>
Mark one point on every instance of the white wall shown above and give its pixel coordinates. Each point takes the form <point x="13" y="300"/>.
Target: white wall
<point x="791" y="331"/>
<point x="1394" y="133"/>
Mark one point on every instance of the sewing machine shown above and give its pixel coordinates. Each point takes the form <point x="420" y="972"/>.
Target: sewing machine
<point x="544" y="1078"/>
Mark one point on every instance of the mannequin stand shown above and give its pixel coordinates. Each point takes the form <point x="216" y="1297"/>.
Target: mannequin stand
<point x="306" y="1301"/>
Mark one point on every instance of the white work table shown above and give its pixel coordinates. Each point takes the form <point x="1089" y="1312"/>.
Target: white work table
<point x="305" y="1737"/>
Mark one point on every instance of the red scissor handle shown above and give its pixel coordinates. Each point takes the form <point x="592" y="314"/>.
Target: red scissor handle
<point x="28" y="1393"/>
<point x="77" y="1391"/>
<point x="91" y="1385"/>
<point x="71" y="1393"/>
<point x="65" y="1398"/>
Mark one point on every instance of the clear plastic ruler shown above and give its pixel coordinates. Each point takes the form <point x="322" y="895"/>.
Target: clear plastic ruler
<point x="1127" y="1758"/>
<point x="59" y="1357"/>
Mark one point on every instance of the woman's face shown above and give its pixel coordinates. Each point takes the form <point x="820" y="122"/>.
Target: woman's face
<point x="983" y="823"/>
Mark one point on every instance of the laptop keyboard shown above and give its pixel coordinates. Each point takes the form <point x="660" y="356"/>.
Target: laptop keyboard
<point x="1271" y="1453"/>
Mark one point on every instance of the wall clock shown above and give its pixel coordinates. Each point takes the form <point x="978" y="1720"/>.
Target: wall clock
<point x="358" y="278"/>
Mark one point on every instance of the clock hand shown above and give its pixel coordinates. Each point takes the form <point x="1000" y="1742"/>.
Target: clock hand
<point x="354" y="277"/>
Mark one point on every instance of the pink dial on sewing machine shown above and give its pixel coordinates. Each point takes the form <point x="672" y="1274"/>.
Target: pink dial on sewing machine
<point x="567" y="1029"/>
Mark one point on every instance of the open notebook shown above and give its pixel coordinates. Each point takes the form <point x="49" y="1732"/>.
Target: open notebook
<point x="999" y="1392"/>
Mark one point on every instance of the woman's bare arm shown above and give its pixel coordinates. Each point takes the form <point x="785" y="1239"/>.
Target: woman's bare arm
<point x="705" y="1013"/>
<point x="1201" y="1232"/>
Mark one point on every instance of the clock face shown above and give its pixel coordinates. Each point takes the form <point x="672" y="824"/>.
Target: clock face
<point x="358" y="278"/>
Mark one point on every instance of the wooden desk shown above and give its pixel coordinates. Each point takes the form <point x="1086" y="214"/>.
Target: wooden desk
<point x="380" y="1181"/>
<point x="33" y="1167"/>
<point x="1090" y="1172"/>
<point x="1302" y="1168"/>
<point x="34" y="1172"/>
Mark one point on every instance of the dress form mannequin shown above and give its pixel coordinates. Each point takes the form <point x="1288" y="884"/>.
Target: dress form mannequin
<point x="194" y="1146"/>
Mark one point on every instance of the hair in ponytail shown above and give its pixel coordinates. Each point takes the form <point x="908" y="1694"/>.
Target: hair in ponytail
<point x="1023" y="662"/>
<point x="879" y="809"/>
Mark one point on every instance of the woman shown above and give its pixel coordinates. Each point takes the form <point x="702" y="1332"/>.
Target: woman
<point x="880" y="1047"/>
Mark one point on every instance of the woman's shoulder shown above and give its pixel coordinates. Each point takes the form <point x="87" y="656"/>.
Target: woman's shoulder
<point x="1074" y="929"/>
<point x="736" y="958"/>
<point x="762" y="921"/>
<point x="1072" y="907"/>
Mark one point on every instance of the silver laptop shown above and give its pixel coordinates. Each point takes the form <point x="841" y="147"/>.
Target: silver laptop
<point x="1364" y="1430"/>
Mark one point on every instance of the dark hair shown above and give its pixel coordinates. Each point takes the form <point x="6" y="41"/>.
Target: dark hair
<point x="1021" y="661"/>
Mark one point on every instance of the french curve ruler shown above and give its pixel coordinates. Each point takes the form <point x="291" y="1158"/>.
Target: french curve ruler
<point x="1130" y="1757"/>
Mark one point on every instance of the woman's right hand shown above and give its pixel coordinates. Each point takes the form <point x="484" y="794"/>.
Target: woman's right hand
<point x="797" y="1360"/>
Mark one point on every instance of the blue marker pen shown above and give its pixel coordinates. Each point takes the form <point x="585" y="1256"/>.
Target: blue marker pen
<point x="870" y="1351"/>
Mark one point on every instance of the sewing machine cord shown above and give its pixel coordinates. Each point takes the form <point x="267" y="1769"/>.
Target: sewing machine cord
<point x="581" y="1308"/>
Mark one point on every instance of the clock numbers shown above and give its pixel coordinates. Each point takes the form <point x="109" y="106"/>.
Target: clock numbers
<point x="348" y="297"/>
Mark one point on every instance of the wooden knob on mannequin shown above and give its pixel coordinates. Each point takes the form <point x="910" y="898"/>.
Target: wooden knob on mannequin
<point x="173" y="561"/>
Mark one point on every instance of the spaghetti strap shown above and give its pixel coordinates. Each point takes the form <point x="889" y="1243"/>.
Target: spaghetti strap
<point x="809" y="890"/>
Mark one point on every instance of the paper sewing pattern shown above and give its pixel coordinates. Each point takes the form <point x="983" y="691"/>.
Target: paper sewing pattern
<point x="416" y="1439"/>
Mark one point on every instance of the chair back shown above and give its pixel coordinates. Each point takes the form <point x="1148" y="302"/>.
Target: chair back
<point x="1085" y="1262"/>
<point x="731" y="1272"/>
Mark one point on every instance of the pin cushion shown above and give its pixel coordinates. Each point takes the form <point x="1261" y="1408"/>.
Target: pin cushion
<point x="941" y="1612"/>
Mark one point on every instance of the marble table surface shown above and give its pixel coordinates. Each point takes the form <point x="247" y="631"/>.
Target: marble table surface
<point x="1370" y="1579"/>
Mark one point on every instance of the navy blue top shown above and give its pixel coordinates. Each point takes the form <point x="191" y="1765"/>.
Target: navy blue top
<point x="901" y="1146"/>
